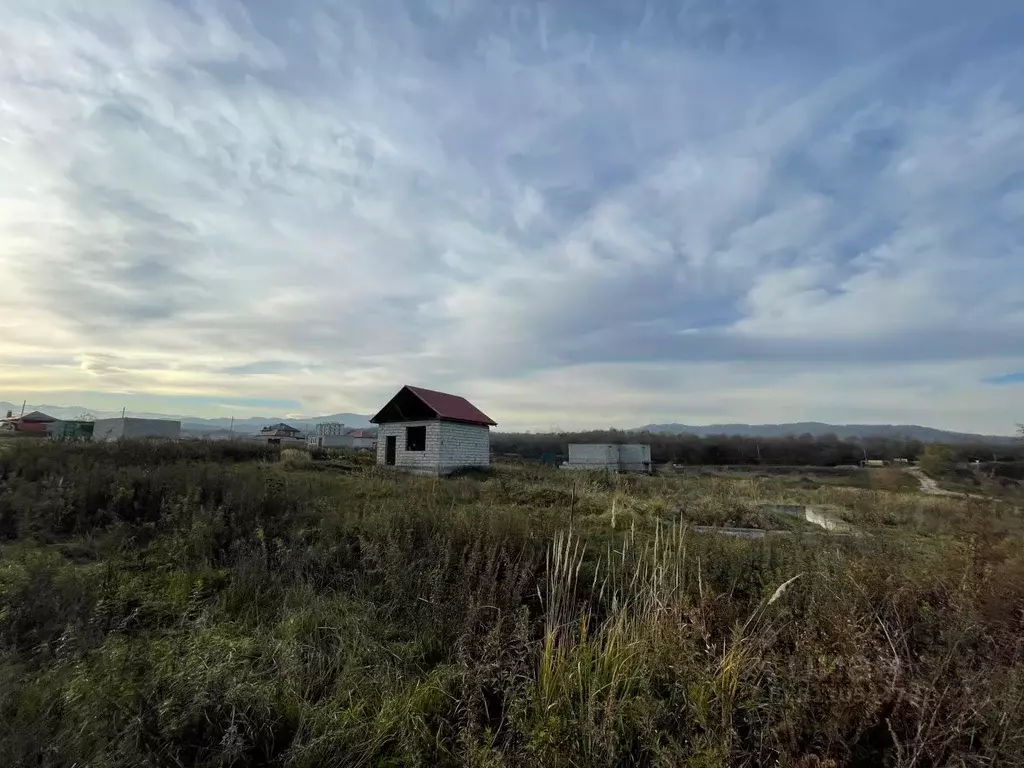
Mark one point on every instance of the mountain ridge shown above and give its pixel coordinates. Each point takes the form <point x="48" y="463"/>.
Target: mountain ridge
<point x="360" y="421"/>
<point x="819" y="429"/>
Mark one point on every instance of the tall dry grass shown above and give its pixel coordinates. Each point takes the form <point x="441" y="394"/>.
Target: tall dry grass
<point x="186" y="608"/>
<point x="596" y="665"/>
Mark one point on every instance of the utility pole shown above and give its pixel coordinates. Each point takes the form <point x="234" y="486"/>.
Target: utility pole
<point x="23" y="407"/>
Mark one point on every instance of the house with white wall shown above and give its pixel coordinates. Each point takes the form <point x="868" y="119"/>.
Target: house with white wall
<point x="364" y="439"/>
<point x="329" y="441"/>
<point x="329" y="434"/>
<point x="281" y="434"/>
<point x="432" y="433"/>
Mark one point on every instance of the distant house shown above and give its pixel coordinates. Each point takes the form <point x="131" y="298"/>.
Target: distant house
<point x="432" y="433"/>
<point x="281" y="434"/>
<point x="34" y="423"/>
<point x="329" y="434"/>
<point x="329" y="441"/>
<point x="364" y="439"/>
<point x="280" y="430"/>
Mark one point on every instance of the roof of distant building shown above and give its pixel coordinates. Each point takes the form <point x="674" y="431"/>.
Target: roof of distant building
<point x="37" y="416"/>
<point x="414" y="403"/>
<point x="281" y="427"/>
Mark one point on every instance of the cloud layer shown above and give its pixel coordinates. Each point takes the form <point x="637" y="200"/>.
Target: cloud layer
<point x="575" y="213"/>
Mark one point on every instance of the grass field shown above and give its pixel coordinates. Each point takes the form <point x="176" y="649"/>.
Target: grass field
<point x="209" y="605"/>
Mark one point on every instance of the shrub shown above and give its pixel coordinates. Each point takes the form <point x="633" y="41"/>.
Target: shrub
<point x="937" y="460"/>
<point x="296" y="457"/>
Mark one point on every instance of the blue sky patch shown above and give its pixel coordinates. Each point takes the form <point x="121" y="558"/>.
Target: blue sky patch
<point x="1006" y="378"/>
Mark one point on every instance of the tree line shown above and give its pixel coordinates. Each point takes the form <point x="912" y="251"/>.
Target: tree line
<point x="796" y="450"/>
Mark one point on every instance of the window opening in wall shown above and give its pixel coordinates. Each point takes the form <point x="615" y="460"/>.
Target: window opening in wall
<point x="415" y="438"/>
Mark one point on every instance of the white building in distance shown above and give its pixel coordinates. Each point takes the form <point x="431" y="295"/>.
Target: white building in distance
<point x="364" y="439"/>
<point x="281" y="434"/>
<point x="330" y="441"/>
<point x="329" y="434"/>
<point x="607" y="457"/>
<point x="329" y="429"/>
<point x="432" y="433"/>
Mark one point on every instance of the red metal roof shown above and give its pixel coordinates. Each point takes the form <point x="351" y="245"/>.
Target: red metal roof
<point x="450" y="407"/>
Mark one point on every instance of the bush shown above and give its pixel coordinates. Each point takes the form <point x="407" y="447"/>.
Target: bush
<point x="296" y="457"/>
<point x="937" y="460"/>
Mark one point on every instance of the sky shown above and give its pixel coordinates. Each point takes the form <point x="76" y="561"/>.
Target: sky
<point x="576" y="214"/>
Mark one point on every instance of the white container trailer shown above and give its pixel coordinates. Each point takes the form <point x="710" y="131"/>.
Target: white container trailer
<point x="635" y="458"/>
<point x="607" y="457"/>
<point x="107" y="430"/>
<point x="596" y="456"/>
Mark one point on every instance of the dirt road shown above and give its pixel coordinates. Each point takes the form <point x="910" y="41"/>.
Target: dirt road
<point x="932" y="488"/>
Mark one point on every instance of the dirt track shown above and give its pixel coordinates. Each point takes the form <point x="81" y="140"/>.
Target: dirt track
<point x="932" y="488"/>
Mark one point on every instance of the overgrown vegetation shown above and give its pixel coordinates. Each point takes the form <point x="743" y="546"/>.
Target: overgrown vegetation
<point x="938" y="460"/>
<point x="209" y="605"/>
<point x="732" y="450"/>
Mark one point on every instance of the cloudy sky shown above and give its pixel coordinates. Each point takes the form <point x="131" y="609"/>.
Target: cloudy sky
<point x="574" y="213"/>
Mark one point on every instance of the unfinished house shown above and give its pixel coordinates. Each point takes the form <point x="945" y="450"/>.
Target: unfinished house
<point x="329" y="434"/>
<point x="281" y="434"/>
<point x="432" y="433"/>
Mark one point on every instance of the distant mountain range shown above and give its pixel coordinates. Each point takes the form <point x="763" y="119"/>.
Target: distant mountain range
<point x="252" y="424"/>
<point x="194" y="424"/>
<point x="817" y="429"/>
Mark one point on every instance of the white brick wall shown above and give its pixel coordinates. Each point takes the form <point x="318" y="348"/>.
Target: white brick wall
<point x="413" y="461"/>
<point x="329" y="441"/>
<point x="464" y="445"/>
<point x="450" y="446"/>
